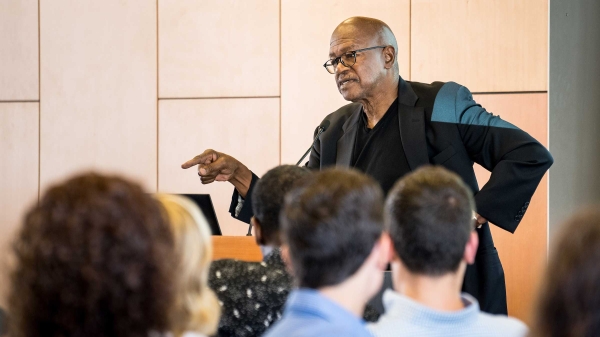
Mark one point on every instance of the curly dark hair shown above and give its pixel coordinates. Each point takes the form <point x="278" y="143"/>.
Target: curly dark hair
<point x="94" y="258"/>
<point x="569" y="300"/>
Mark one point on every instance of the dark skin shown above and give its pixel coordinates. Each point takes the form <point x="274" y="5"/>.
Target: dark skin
<point x="372" y="81"/>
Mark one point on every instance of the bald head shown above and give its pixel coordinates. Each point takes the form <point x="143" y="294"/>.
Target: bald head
<point x="366" y="30"/>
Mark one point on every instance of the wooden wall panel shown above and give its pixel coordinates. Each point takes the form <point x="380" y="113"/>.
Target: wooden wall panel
<point x="499" y="45"/>
<point x="247" y="129"/>
<point x="523" y="254"/>
<point x="19" y="71"/>
<point x="98" y="89"/>
<point x="218" y="48"/>
<point x="308" y="91"/>
<point x="19" y="134"/>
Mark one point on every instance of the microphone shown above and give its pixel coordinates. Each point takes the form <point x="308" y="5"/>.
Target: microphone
<point x="324" y="125"/>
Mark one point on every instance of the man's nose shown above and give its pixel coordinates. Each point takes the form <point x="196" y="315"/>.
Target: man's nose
<point x="340" y="68"/>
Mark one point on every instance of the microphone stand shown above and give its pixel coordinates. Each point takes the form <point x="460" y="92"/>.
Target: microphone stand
<point x="321" y="129"/>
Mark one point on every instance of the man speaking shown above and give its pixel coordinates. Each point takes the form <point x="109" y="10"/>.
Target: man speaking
<point x="395" y="126"/>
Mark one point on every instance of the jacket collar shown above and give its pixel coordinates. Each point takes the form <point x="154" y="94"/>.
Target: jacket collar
<point x="412" y="130"/>
<point x="412" y="126"/>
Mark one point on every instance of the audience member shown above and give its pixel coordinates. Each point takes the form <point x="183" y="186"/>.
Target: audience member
<point x="93" y="259"/>
<point x="333" y="233"/>
<point x="253" y="294"/>
<point x="569" y="301"/>
<point x="429" y="215"/>
<point x="196" y="310"/>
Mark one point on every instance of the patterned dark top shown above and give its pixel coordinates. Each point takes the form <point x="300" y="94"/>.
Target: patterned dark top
<point x="251" y="294"/>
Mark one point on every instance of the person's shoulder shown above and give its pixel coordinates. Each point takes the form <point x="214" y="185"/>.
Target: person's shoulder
<point x="503" y="325"/>
<point x="305" y="328"/>
<point x="436" y="93"/>
<point x="421" y="88"/>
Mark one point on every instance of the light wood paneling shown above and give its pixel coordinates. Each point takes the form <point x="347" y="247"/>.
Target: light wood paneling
<point x="499" y="45"/>
<point x="18" y="175"/>
<point x="523" y="254"/>
<point x="218" y="48"/>
<point x="19" y="71"/>
<point x="98" y="88"/>
<point x="308" y="91"/>
<point x="247" y="129"/>
<point x="236" y="247"/>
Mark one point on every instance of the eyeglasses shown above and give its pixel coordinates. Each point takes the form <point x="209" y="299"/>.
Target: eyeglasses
<point x="348" y="59"/>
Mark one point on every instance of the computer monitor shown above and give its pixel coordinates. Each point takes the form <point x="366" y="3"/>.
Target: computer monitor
<point x="205" y="204"/>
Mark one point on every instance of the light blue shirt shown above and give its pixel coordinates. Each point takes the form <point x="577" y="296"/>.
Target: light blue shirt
<point x="406" y="317"/>
<point x="308" y="313"/>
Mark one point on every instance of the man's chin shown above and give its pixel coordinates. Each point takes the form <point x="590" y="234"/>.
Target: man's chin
<point x="349" y="95"/>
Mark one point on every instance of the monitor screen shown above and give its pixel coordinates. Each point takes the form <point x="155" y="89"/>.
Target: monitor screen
<point x="206" y="206"/>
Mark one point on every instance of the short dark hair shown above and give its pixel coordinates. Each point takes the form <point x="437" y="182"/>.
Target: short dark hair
<point x="94" y="258"/>
<point x="568" y="303"/>
<point x="331" y="224"/>
<point x="429" y="215"/>
<point x="268" y="195"/>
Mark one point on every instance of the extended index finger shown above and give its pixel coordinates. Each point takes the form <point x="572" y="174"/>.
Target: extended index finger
<point x="207" y="157"/>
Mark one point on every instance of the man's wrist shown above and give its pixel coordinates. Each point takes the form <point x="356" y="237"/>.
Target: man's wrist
<point x="242" y="180"/>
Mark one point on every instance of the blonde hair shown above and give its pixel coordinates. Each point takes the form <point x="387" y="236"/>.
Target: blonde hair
<point x="196" y="306"/>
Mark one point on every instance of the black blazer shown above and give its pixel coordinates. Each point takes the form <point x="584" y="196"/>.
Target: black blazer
<point x="441" y="124"/>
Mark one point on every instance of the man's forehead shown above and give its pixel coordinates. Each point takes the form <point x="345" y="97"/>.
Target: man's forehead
<point x="343" y="44"/>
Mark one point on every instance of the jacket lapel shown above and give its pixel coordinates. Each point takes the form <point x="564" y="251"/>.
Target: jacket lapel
<point x="345" y="144"/>
<point x="412" y="126"/>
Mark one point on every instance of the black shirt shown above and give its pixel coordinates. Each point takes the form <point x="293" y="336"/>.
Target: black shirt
<point x="378" y="152"/>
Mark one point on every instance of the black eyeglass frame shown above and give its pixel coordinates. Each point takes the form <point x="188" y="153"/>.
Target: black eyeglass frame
<point x="334" y="62"/>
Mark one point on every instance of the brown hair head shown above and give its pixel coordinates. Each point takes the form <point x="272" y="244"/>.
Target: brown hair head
<point x="93" y="259"/>
<point x="429" y="216"/>
<point x="569" y="301"/>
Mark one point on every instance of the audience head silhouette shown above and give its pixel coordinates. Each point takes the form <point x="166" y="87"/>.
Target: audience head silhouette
<point x="331" y="225"/>
<point x="569" y="301"/>
<point x="429" y="215"/>
<point x="267" y="200"/>
<point x="93" y="258"/>
<point x="333" y="239"/>
<point x="196" y="308"/>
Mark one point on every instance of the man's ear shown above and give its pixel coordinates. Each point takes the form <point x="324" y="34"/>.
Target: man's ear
<point x="285" y="256"/>
<point x="471" y="248"/>
<point x="387" y="250"/>
<point x="389" y="54"/>
<point x="257" y="231"/>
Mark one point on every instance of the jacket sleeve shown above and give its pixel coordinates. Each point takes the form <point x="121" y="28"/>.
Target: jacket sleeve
<point x="516" y="160"/>
<point x="246" y="212"/>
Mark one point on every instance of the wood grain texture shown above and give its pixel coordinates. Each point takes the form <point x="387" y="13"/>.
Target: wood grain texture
<point x="236" y="247"/>
<point x="523" y="253"/>
<point x="18" y="175"/>
<point x="488" y="46"/>
<point x="247" y="129"/>
<point x="19" y="70"/>
<point x="308" y="91"/>
<point x="218" y="48"/>
<point x="98" y="89"/>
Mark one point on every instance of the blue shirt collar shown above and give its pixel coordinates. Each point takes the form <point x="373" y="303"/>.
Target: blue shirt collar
<point x="398" y="305"/>
<point x="305" y="301"/>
